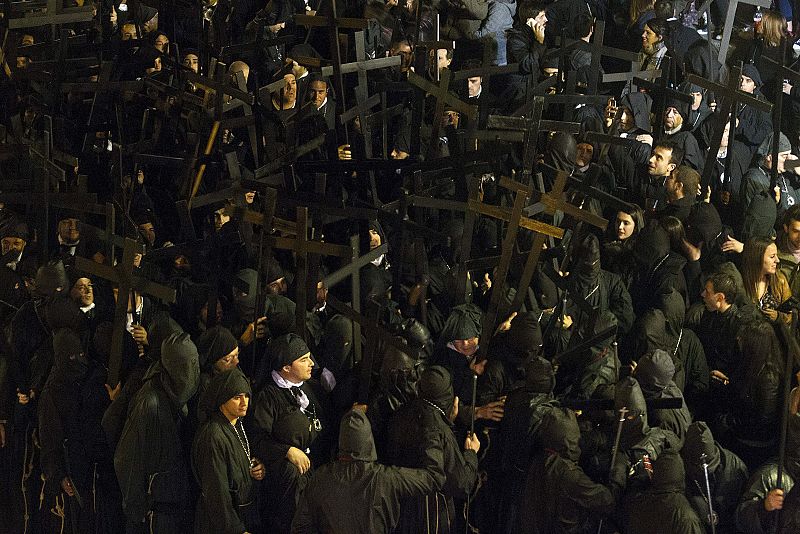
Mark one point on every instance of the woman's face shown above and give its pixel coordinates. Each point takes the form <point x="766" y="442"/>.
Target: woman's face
<point x="771" y="261"/>
<point x="625" y="225"/>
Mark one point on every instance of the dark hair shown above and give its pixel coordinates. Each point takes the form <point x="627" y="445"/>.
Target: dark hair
<point x="677" y="152"/>
<point x="529" y="10"/>
<point x="664" y="9"/>
<point x="791" y="214"/>
<point x="582" y="25"/>
<point x="690" y="179"/>
<point x="759" y="343"/>
<point x="659" y="26"/>
<point x="637" y="214"/>
<point x="752" y="262"/>
<point x="674" y="228"/>
<point x="723" y="283"/>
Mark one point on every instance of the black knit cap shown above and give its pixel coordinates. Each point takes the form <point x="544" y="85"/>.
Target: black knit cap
<point x="436" y="386"/>
<point x="213" y="344"/>
<point x="222" y="388"/>
<point x="284" y="350"/>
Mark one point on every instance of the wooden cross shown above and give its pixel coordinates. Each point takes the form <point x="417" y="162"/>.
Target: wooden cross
<point x="29" y="15"/>
<point x="730" y="17"/>
<point x="122" y="276"/>
<point x="660" y="92"/>
<point x="729" y="97"/>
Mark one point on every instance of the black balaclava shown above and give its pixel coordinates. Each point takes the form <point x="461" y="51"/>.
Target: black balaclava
<point x="523" y="340"/>
<point x="699" y="441"/>
<point x="180" y="374"/>
<point x="399" y="375"/>
<point x="635" y="428"/>
<point x="213" y="344"/>
<point x="561" y="152"/>
<point x="586" y="266"/>
<point x="436" y="387"/>
<point x="49" y="278"/>
<point x="559" y="432"/>
<point x="337" y="344"/>
<point x="654" y="372"/>
<point x="245" y="302"/>
<point x="69" y="360"/>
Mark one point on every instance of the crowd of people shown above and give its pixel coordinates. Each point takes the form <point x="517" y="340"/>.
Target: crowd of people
<point x="641" y="387"/>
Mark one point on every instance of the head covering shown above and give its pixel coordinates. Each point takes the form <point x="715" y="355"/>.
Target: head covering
<point x="669" y="474"/>
<point x="639" y="104"/>
<point x="464" y="322"/>
<point x="180" y="373"/>
<point x="161" y="327"/>
<point x="18" y="229"/>
<point x="523" y="339"/>
<point x="66" y="344"/>
<point x="699" y="441"/>
<point x="355" y="437"/>
<point x="279" y="311"/>
<point x="63" y="312"/>
<point x="561" y="152"/>
<point x="285" y="349"/>
<point x="436" y="386"/>
<point x="751" y="71"/>
<point x="559" y="432"/>
<point x="628" y="394"/>
<point x="245" y="301"/>
<point x="703" y="224"/>
<point x="654" y="372"/>
<point x="50" y="277"/>
<point x="586" y="268"/>
<point x="213" y="344"/>
<point x="222" y="388"/>
<point x="681" y="105"/>
<point x="651" y="246"/>
<point x="539" y="375"/>
<point x="337" y="343"/>
<point x="765" y="148"/>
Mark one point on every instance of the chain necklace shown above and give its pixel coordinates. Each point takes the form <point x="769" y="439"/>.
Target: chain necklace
<point x="432" y="405"/>
<point x="245" y="443"/>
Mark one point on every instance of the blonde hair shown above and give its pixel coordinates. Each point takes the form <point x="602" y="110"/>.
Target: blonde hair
<point x="636" y="9"/>
<point x="773" y="28"/>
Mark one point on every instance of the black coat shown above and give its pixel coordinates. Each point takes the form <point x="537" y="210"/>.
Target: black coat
<point x="523" y="48"/>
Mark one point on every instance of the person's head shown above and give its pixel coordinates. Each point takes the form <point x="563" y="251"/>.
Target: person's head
<point x="784" y="151"/>
<point x="403" y="49"/>
<point x="161" y="42"/>
<point x="791" y="227"/>
<point x="15" y="238"/>
<point x="473" y="82"/>
<point x="82" y="292"/>
<point x="220" y="218"/>
<point x="192" y="61"/>
<point x="229" y="393"/>
<point x="317" y="91"/>
<point x="750" y="79"/>
<point x="672" y="118"/>
<point x="69" y="229"/>
<point x="682" y="182"/>
<point x="291" y="358"/>
<point x="443" y="58"/>
<point x="675" y="230"/>
<point x="288" y="94"/>
<point x="759" y="263"/>
<point x="773" y="27"/>
<point x="529" y="12"/>
<point x="27" y="39"/>
<point x="653" y="36"/>
<point x="237" y="67"/>
<point x="629" y="222"/>
<point x="584" y="154"/>
<point x="435" y="385"/>
<point x="664" y="158"/>
<point x="583" y="26"/>
<point x="636" y="8"/>
<point x="627" y="120"/>
<point x="664" y="9"/>
<point x="128" y="32"/>
<point x="697" y="97"/>
<point x="719" y="292"/>
<point x="723" y="143"/>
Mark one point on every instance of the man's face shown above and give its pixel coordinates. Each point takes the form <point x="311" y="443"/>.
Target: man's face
<point x="402" y="49"/>
<point x="289" y="88"/>
<point x="659" y="164"/>
<point x="191" y="61"/>
<point x="697" y="99"/>
<point x="13" y="244"/>
<point x="374" y="239"/>
<point x="473" y="86"/>
<point x="441" y="59"/>
<point x="450" y="118"/>
<point x="220" y="218"/>
<point x="227" y="362"/>
<point x="672" y="118"/>
<point x="747" y="84"/>
<point x="319" y="91"/>
<point x="128" y="32"/>
<point x="398" y="154"/>
<point x="650" y="40"/>
<point x="711" y="299"/>
<point x="278" y="287"/>
<point x="68" y="230"/>
<point x="584" y="154"/>
<point x="148" y="231"/>
<point x="162" y="43"/>
<point x="27" y="40"/>
<point x="674" y="187"/>
<point x="467" y="347"/>
<point x="792" y="231"/>
<point x="156" y="66"/>
<point x="540" y="19"/>
<point x="626" y="119"/>
<point x="300" y="369"/>
<point x="236" y="407"/>
<point x="82" y="292"/>
<point x="782" y="157"/>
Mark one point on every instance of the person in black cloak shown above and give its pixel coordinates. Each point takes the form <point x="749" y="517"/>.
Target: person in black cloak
<point x="676" y="131"/>
<point x="658" y="269"/>
<point x="357" y="495"/>
<point x="525" y="407"/>
<point x="505" y="369"/>
<point x="654" y="372"/>
<point x="337" y="377"/>
<point x="662" y="507"/>
<point x="634" y="122"/>
<point x="76" y="461"/>
<point x="560" y="155"/>
<point x="559" y="497"/>
<point x="422" y="429"/>
<point x="754" y="125"/>
<point x="150" y="461"/>
<point x="289" y="429"/>
<point x="222" y="461"/>
<point x="458" y="344"/>
<point x="727" y="476"/>
<point x="218" y="352"/>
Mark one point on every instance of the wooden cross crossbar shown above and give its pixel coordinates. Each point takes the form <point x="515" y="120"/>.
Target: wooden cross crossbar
<point x="56" y="15"/>
<point x="441" y="94"/>
<point x="122" y="276"/>
<point x="730" y="17"/>
<point x="660" y="92"/>
<point x="363" y="65"/>
<point x="651" y="74"/>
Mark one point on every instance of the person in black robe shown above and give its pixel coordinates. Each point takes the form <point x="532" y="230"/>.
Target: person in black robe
<point x="289" y="429"/>
<point x="222" y="461"/>
<point x="677" y="131"/>
<point x="150" y="461"/>
<point x="422" y="429"/>
<point x="357" y="495"/>
<point x="218" y="352"/>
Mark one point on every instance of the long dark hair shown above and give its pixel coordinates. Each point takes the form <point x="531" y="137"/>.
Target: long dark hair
<point x="752" y="261"/>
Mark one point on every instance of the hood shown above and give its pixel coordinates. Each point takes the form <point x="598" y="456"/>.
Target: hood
<point x="654" y="373"/>
<point x="213" y="344"/>
<point x="69" y="360"/>
<point x="373" y="284"/>
<point x="337" y="343"/>
<point x="63" y="312"/>
<point x="51" y="277"/>
<point x="399" y="374"/>
<point x="464" y="322"/>
<point x="703" y="224"/>
<point x="355" y="437"/>
<point x="280" y="311"/>
<point x="674" y="310"/>
<point x="223" y="387"/>
<point x="652" y="245"/>
<point x="586" y="266"/>
<point x="635" y="428"/>
<point x="245" y="301"/>
<point x="561" y="152"/>
<point x="650" y="333"/>
<point x="669" y="474"/>
<point x="699" y="441"/>
<point x="180" y="368"/>
<point x="161" y="327"/>
<point x="523" y="339"/>
<point x="559" y="432"/>
<point x="436" y="386"/>
<point x="639" y="104"/>
<point x="539" y="375"/>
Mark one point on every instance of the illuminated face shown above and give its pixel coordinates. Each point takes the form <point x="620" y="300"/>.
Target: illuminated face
<point x="467" y="347"/>
<point x="128" y="32"/>
<point x="82" y="292"/>
<point x="162" y="43"/>
<point x="374" y="239"/>
<point x="441" y="59"/>
<point x="473" y="86"/>
<point x="402" y="49"/>
<point x="747" y="84"/>
<point x="235" y="407"/>
<point x="319" y="92"/>
<point x="659" y="164"/>
<point x="289" y="88"/>
<point x="650" y="40"/>
<point x="148" y="231"/>
<point x="300" y="369"/>
<point x="625" y="225"/>
<point x="192" y="61"/>
<point x="792" y="231"/>
<point x="712" y="300"/>
<point x="584" y="154"/>
<point x="782" y="156"/>
<point x="697" y="99"/>
<point x="220" y="218"/>
<point x="770" y="262"/>
<point x="626" y="119"/>
<point x="13" y="244"/>
<point x="672" y="118"/>
<point x="68" y="230"/>
<point x="398" y="154"/>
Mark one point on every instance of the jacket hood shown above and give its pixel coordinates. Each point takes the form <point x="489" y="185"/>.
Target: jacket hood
<point x="337" y="343"/>
<point x="699" y="441"/>
<point x="628" y="394"/>
<point x="464" y="322"/>
<point x="355" y="437"/>
<point x="652" y="246"/>
<point x="559" y="432"/>
<point x="669" y="474"/>
<point x="561" y="152"/>
<point x="436" y="386"/>
<point x="703" y="224"/>
<point x="650" y="333"/>
<point x="639" y="104"/>
<point x="180" y="368"/>
<point x="654" y="373"/>
<point x="674" y="310"/>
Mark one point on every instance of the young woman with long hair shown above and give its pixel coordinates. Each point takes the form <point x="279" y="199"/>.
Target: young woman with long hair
<point x="764" y="284"/>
